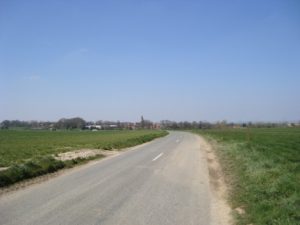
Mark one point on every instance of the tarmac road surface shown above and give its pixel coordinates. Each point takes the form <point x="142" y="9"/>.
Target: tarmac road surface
<point x="164" y="182"/>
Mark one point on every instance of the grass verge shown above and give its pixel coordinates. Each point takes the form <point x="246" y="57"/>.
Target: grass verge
<point x="263" y="166"/>
<point x="37" y="167"/>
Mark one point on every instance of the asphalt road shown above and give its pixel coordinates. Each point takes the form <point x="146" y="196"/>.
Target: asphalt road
<point x="164" y="182"/>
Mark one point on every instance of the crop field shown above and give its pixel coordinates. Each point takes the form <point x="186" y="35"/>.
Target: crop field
<point x="263" y="169"/>
<point x="18" y="146"/>
<point x="30" y="153"/>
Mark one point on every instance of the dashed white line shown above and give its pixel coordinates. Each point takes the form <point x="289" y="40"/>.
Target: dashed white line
<point x="157" y="156"/>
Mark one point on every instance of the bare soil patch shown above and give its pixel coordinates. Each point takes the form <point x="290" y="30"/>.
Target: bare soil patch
<point x="83" y="153"/>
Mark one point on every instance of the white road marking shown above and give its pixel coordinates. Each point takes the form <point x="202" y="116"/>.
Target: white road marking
<point x="157" y="156"/>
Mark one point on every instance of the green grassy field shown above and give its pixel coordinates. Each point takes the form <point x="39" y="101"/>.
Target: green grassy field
<point x="18" y="146"/>
<point x="29" y="153"/>
<point x="263" y="167"/>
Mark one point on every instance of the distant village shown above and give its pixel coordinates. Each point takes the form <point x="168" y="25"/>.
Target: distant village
<point x="80" y="124"/>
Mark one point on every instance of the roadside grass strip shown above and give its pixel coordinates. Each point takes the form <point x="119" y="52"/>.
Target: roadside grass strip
<point x="263" y="172"/>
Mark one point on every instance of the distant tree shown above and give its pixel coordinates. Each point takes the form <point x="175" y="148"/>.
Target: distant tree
<point x="78" y="123"/>
<point x="73" y="123"/>
<point x="148" y="124"/>
<point x="194" y="125"/>
<point x="5" y="124"/>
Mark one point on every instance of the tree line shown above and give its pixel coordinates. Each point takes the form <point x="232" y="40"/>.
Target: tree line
<point x="73" y="123"/>
<point x="79" y="123"/>
<point x="185" y="125"/>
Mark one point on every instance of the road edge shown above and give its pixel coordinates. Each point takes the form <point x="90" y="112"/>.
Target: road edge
<point x="219" y="187"/>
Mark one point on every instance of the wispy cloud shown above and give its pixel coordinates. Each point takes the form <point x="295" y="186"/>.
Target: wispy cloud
<point x="32" y="77"/>
<point x="75" y="53"/>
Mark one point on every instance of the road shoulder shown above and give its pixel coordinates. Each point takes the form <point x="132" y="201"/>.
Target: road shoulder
<point x="219" y="188"/>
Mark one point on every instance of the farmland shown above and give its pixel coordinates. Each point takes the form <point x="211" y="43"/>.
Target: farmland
<point x="29" y="153"/>
<point x="263" y="170"/>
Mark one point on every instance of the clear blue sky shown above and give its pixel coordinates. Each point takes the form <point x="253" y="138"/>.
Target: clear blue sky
<point x="177" y="60"/>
